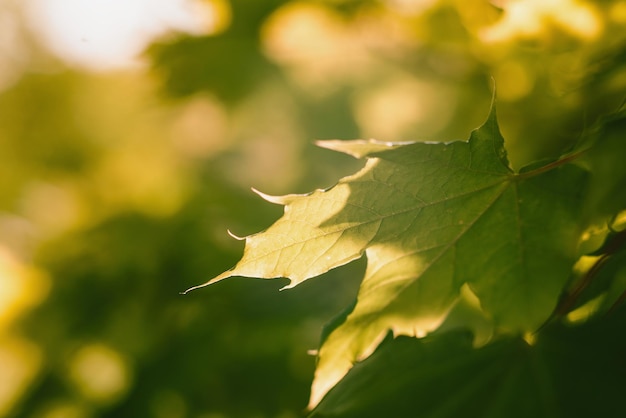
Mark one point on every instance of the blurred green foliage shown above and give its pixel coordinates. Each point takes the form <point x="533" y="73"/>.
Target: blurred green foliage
<point x="116" y="189"/>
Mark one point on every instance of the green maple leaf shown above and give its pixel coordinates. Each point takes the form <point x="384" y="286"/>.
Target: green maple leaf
<point x="430" y="217"/>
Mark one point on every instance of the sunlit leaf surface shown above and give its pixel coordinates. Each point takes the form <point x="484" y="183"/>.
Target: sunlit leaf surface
<point x="430" y="217"/>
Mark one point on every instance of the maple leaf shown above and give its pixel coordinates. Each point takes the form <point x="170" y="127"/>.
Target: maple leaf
<point x="430" y="217"/>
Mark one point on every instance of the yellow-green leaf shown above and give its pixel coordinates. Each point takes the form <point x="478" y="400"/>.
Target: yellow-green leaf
<point x="430" y="217"/>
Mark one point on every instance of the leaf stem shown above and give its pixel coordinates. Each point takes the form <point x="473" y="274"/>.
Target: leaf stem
<point x="552" y="165"/>
<point x="569" y="301"/>
<point x="617" y="303"/>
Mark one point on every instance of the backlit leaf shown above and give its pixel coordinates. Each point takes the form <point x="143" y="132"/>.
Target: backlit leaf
<point x="430" y="217"/>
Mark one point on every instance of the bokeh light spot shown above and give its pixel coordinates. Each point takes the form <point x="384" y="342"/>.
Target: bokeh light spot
<point x="100" y="373"/>
<point x="21" y="287"/>
<point x="533" y="19"/>
<point x="513" y="80"/>
<point x="389" y="111"/>
<point x="20" y="361"/>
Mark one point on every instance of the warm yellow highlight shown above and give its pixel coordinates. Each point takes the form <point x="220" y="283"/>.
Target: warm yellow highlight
<point x="155" y="186"/>
<point x="580" y="20"/>
<point x="301" y="31"/>
<point x="21" y="287"/>
<point x="389" y="271"/>
<point x="619" y="223"/>
<point x="20" y="361"/>
<point x="530" y="18"/>
<point x="13" y="46"/>
<point x="477" y="14"/>
<point x="513" y="79"/>
<point x="385" y="112"/>
<point x="100" y="373"/>
<point x="411" y="7"/>
<point x="53" y="207"/>
<point x="530" y="338"/>
<point x="315" y="44"/>
<point x="200" y="129"/>
<point x="217" y="15"/>
<point x="583" y="313"/>
<point x="388" y="111"/>
<point x="584" y="263"/>
<point x="617" y="12"/>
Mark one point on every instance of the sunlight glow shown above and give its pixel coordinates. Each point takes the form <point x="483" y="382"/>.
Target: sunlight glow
<point x="529" y="18"/>
<point x="107" y="34"/>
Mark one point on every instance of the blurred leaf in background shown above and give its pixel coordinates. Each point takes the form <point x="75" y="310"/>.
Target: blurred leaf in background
<point x="120" y="172"/>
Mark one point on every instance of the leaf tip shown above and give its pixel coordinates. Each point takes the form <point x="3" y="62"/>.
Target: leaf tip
<point x="359" y="148"/>
<point x="184" y="292"/>
<point x="269" y="198"/>
<point x="337" y="145"/>
<point x="214" y="280"/>
<point x="489" y="134"/>
<point x="491" y="115"/>
<point x="278" y="200"/>
<point x="237" y="237"/>
<point x="290" y="285"/>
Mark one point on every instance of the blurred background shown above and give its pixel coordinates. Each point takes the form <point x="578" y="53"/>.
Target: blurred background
<point x="131" y="132"/>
